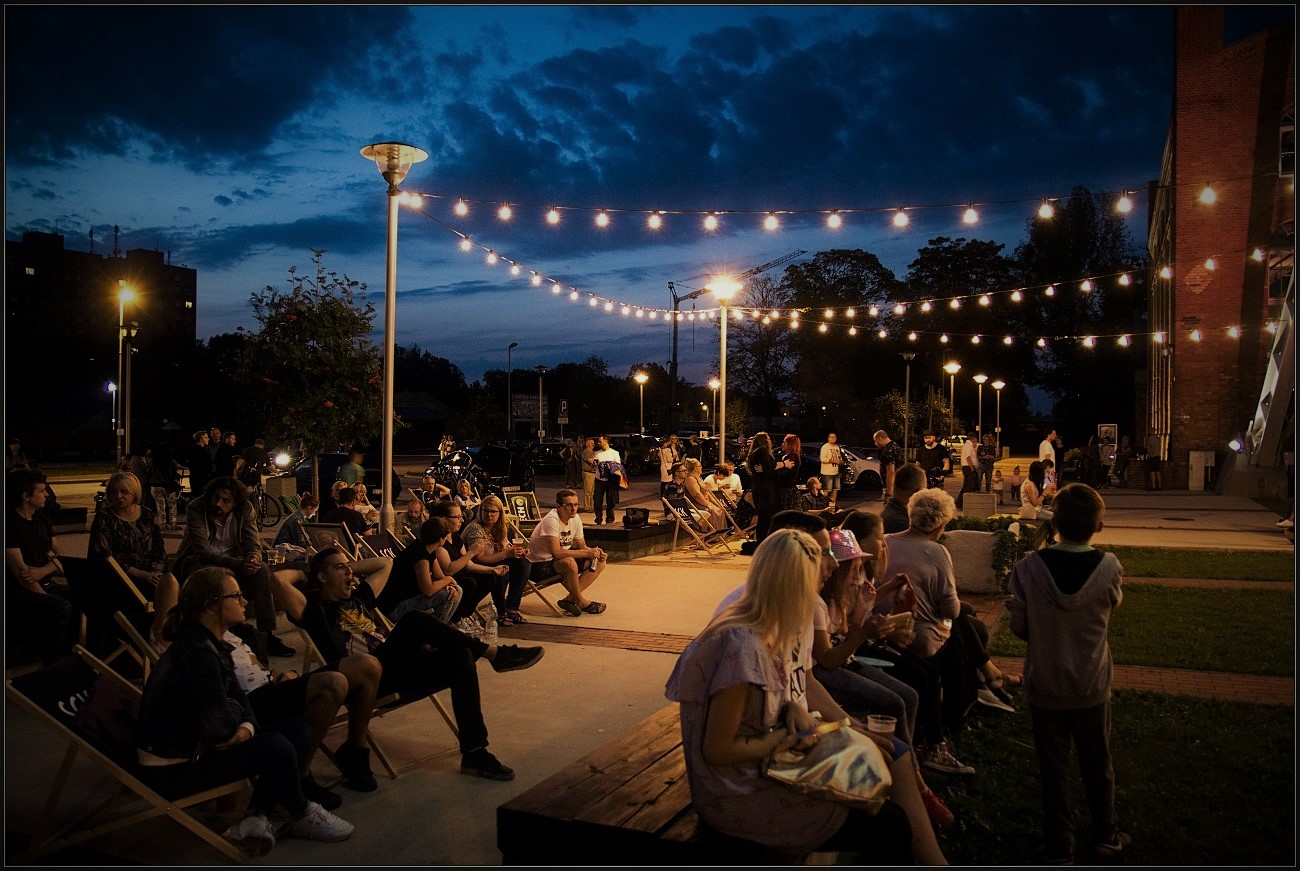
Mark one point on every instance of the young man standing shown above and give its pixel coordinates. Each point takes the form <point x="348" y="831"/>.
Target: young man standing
<point x="1047" y="448"/>
<point x="970" y="468"/>
<point x="352" y="471"/>
<point x="558" y="540"/>
<point x="933" y="456"/>
<point x="832" y="461"/>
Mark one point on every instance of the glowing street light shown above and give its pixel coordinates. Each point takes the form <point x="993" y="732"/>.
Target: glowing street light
<point x="724" y="288"/>
<point x="394" y="160"/>
<point x="952" y="369"/>
<point x="641" y="378"/>
<point x="997" y="425"/>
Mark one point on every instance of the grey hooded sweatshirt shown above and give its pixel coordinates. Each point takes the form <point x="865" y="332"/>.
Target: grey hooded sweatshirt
<point x="1068" y="664"/>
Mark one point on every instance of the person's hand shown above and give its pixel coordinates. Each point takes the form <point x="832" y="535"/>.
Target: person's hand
<point x="252" y="563"/>
<point x="500" y="570"/>
<point x="241" y="735"/>
<point x="797" y="722"/>
<point x="902" y="636"/>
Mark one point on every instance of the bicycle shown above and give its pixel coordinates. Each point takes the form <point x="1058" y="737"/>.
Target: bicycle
<point x="270" y="510"/>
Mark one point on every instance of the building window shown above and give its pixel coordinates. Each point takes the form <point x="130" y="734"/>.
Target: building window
<point x="30" y="270"/>
<point x="189" y="304"/>
<point x="1286" y="149"/>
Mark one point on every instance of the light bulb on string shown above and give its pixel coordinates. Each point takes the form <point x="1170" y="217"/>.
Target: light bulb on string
<point x="1158" y="338"/>
<point x="1166" y="272"/>
<point x="461" y="208"/>
<point x="828" y="314"/>
<point x="1209" y="264"/>
<point x="536" y="280"/>
<point x="655" y="220"/>
<point x="834" y="221"/>
<point x="602" y="218"/>
<point x="873" y="311"/>
<point x="1050" y="290"/>
<point x="1089" y="342"/>
<point x="1124" y="204"/>
<point x="1006" y="340"/>
<point x="882" y="333"/>
<point x="1042" y="343"/>
<point x="1124" y="280"/>
<point x="1195" y="335"/>
<point x="911" y="337"/>
<point x="1086" y="285"/>
<point x="901" y="219"/>
<point x="505" y="213"/>
<point x="821" y="328"/>
<point x="1271" y="326"/>
<point x="974" y="340"/>
<point x="1016" y="296"/>
<point x="970" y="216"/>
<point x="899" y="308"/>
<point x="944" y="338"/>
<point x="609" y="306"/>
<point x="640" y="312"/>
<point x="1124" y="341"/>
<point x="770" y="223"/>
<point x="851" y="312"/>
<point x="853" y="331"/>
<point x="466" y="245"/>
<point x="514" y="270"/>
<point x="1257" y="255"/>
<point x="491" y="258"/>
<point x="1234" y="332"/>
<point x="625" y="310"/>
<point x="593" y="302"/>
<point x="573" y="296"/>
<point x="553" y="217"/>
<point x="925" y="306"/>
<point x="954" y="303"/>
<point x="711" y="222"/>
<point x="1207" y="196"/>
<point x="1046" y="210"/>
<point x="984" y="299"/>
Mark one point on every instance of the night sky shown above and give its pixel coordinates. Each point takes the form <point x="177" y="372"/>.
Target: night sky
<point x="229" y="137"/>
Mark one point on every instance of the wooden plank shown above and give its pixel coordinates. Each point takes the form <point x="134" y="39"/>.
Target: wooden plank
<point x="622" y="806"/>
<point x="668" y="808"/>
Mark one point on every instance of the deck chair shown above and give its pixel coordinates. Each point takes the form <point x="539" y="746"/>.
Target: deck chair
<point x="523" y="510"/>
<point x="735" y="531"/>
<point x="383" y="705"/>
<point x="535" y="586"/>
<point x="699" y="538"/>
<point x="381" y="544"/>
<point x="92" y="709"/>
<point x="323" y="535"/>
<point x="100" y="588"/>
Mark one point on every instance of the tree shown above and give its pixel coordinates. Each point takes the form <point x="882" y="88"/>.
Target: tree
<point x="760" y="357"/>
<point x="417" y="370"/>
<point x="311" y="370"/>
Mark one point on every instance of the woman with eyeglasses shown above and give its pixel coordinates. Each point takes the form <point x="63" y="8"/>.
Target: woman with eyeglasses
<point x="746" y="689"/>
<point x="197" y="729"/>
<point x="490" y="525"/>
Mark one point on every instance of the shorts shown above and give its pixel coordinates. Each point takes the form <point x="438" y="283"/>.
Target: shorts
<point x="1152" y="464"/>
<point x="279" y="701"/>
<point x="831" y="482"/>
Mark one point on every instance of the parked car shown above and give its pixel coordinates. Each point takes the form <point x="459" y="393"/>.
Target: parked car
<point x="859" y="472"/>
<point x="329" y="468"/>
<point x="545" y="457"/>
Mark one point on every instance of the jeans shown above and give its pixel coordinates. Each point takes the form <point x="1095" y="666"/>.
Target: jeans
<point x="508" y="599"/>
<point x="606" y="492"/>
<point x="865" y="689"/>
<point x="1089" y="728"/>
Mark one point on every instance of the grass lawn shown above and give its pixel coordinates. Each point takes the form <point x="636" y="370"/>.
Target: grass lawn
<point x="1244" y="565"/>
<point x="1198" y="782"/>
<point x="1243" y="631"/>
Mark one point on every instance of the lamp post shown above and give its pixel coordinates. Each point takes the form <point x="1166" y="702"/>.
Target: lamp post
<point x="997" y="421"/>
<point x="394" y="160"/>
<point x="704" y="407"/>
<point x="129" y="338"/>
<point x="641" y="378"/>
<point x="124" y="295"/>
<point x="510" y="394"/>
<point x="907" y="400"/>
<point x="979" y="420"/>
<point x="541" y="427"/>
<point x="724" y="288"/>
<point x="952" y="369"/>
<point x="111" y="388"/>
<point x="714" y="384"/>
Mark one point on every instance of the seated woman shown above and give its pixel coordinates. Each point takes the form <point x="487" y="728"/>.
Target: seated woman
<point x="410" y="520"/>
<point x="127" y="532"/>
<point x="704" y="501"/>
<point x="490" y="526"/>
<point x="197" y="729"/>
<point x="368" y="511"/>
<point x="726" y="482"/>
<point x="816" y="501"/>
<point x="746" y="687"/>
<point x="842" y="623"/>
<point x="465" y="496"/>
<point x="1035" y="492"/>
<point x="416" y="581"/>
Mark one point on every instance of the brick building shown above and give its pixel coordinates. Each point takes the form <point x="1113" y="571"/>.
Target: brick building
<point x="61" y="328"/>
<point x="1222" y="286"/>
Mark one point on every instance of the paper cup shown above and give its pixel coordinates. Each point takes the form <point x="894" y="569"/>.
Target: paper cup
<point x="881" y="724"/>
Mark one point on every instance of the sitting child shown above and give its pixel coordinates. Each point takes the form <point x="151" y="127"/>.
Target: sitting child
<point x="999" y="485"/>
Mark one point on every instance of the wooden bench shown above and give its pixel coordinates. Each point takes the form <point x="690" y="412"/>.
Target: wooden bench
<point x="626" y="803"/>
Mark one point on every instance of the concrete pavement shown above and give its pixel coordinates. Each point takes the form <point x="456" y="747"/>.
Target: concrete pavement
<point x="601" y="674"/>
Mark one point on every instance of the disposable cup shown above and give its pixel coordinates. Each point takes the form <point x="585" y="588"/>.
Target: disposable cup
<point x="881" y="724"/>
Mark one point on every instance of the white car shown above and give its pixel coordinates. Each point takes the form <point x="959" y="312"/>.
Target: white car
<point x="859" y="472"/>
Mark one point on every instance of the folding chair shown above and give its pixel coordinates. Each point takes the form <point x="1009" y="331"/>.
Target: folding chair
<point x="323" y="535"/>
<point x="381" y="544"/>
<point x="60" y="697"/>
<point x="523" y="510"/>
<point x="701" y="540"/>
<point x="99" y="589"/>
<point x="534" y="587"/>
<point x="383" y="706"/>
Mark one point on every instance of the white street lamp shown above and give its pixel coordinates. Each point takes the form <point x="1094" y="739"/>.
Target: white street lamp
<point x="541" y="426"/>
<point x="124" y="295"/>
<point x="979" y="421"/>
<point x="129" y="333"/>
<point x="724" y="288"/>
<point x="111" y="389"/>
<point x="952" y="369"/>
<point x="714" y="384"/>
<point x="510" y="394"/>
<point x="641" y="378"/>
<point x="997" y="424"/>
<point x="394" y="160"/>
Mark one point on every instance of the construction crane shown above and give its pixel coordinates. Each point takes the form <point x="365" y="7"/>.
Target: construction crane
<point x="678" y="300"/>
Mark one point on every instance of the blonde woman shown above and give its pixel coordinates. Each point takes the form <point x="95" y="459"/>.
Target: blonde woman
<point x="464" y="496"/>
<point x="746" y="688"/>
<point x="711" y="510"/>
<point x="368" y="511"/>
<point x="490" y="525"/>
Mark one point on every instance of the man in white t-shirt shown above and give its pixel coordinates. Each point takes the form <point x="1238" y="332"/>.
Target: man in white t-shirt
<point x="832" y="460"/>
<point x="557" y="545"/>
<point x="1047" y="449"/>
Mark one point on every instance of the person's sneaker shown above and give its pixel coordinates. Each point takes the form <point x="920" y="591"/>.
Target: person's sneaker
<point x="1114" y="845"/>
<point x="326" y="798"/>
<point x="989" y="699"/>
<point x="354" y="764"/>
<point x="319" y="824"/>
<point x="939" y="758"/>
<point x="276" y="647"/>
<point x="512" y="657"/>
<point x="481" y="763"/>
<point x="940" y="816"/>
<point x="1285" y="523"/>
<point x="253" y="835"/>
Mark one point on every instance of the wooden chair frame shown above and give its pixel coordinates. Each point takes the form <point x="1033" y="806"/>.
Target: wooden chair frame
<point x="101" y="589"/>
<point x="522" y="510"/>
<point x="535" y="587"/>
<point x="323" y="535"/>
<point x="381" y="544"/>
<point x="701" y="541"/>
<point x="120" y="810"/>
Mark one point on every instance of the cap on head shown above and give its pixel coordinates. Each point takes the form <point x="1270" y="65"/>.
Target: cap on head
<point x="844" y="544"/>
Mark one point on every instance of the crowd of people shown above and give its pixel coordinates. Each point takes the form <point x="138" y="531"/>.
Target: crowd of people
<point x="843" y="614"/>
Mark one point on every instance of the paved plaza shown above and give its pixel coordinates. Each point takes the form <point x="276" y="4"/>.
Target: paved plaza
<point x="601" y="675"/>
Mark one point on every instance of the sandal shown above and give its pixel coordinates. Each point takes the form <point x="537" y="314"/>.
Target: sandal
<point x="570" y="607"/>
<point x="504" y="621"/>
<point x="515" y="617"/>
<point x="594" y="607"/>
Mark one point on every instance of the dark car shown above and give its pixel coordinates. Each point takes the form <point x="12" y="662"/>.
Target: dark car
<point x="329" y="469"/>
<point x="545" y="457"/>
<point x="640" y="453"/>
<point x="491" y="469"/>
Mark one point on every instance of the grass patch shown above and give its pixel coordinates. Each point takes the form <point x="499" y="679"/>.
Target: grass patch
<point x="1193" y="787"/>
<point x="1243" y="631"/>
<point x="1237" y="565"/>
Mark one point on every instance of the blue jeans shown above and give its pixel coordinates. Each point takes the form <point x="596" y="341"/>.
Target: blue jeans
<point x="868" y="689"/>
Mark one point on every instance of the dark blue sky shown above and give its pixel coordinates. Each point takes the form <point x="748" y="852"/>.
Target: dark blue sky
<point x="228" y="136"/>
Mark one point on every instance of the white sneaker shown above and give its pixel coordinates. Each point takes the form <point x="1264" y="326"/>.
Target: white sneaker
<point x="1285" y="523"/>
<point x="319" y="824"/>
<point x="986" y="697"/>
<point x="254" y="835"/>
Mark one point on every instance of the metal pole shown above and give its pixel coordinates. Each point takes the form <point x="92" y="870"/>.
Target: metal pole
<point x="117" y="398"/>
<point x="126" y="401"/>
<point x="952" y="411"/>
<point x="386" y="513"/>
<point x="907" y="401"/>
<point x="510" y="394"/>
<point x="540" y="428"/>
<point x="642" y="386"/>
<point x="722" y="385"/>
<point x="979" y="425"/>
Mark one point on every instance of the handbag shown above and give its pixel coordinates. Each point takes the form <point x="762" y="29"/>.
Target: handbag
<point x="635" y="518"/>
<point x="844" y="766"/>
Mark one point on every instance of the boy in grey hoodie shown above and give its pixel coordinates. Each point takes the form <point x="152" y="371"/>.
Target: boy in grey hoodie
<point x="1061" y="601"/>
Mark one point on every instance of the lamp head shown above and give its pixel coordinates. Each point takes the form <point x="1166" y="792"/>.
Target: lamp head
<point x="908" y="356"/>
<point x="125" y="293"/>
<point x="999" y="384"/>
<point x="980" y="379"/>
<point x="714" y="383"/>
<point x="724" y="287"/>
<point x="640" y="378"/>
<point x="512" y="346"/>
<point x="394" y="159"/>
<point x="952" y="368"/>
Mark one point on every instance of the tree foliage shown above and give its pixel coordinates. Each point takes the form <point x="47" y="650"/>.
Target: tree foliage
<point x="761" y="357"/>
<point x="418" y="370"/>
<point x="311" y="371"/>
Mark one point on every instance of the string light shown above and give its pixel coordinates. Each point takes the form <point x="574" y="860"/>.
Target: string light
<point x="505" y="213"/>
<point x="984" y="299"/>
<point x="711" y="222"/>
<point x="911" y="337"/>
<point x="873" y="311"/>
<point x="553" y="217"/>
<point x="901" y="219"/>
<point x="1207" y="196"/>
<point x="954" y="303"/>
<point x="1124" y="204"/>
<point x="853" y="313"/>
<point x="834" y="221"/>
<point x="1124" y="280"/>
<point x="602" y="219"/>
<point x="1257" y="255"/>
<point x="1042" y="343"/>
<point x="491" y="258"/>
<point x="1016" y="296"/>
<point x="536" y="280"/>
<point x="466" y="245"/>
<point x="1050" y="290"/>
<point x="1046" y="210"/>
<point x="1234" y="332"/>
<point x="770" y="223"/>
<point x="883" y="333"/>
<point x="655" y="221"/>
<point x="970" y="216"/>
<point x="899" y="308"/>
<point x="821" y="328"/>
<point x="1006" y="340"/>
<point x="1166" y="272"/>
<point x="514" y="270"/>
<point x="1086" y="285"/>
<point x="925" y="306"/>
<point x="1195" y="335"/>
<point x="1159" y="338"/>
<point x="944" y="338"/>
<point x="1089" y="342"/>
<point x="461" y="208"/>
<point x="974" y="340"/>
<point x="1209" y="263"/>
